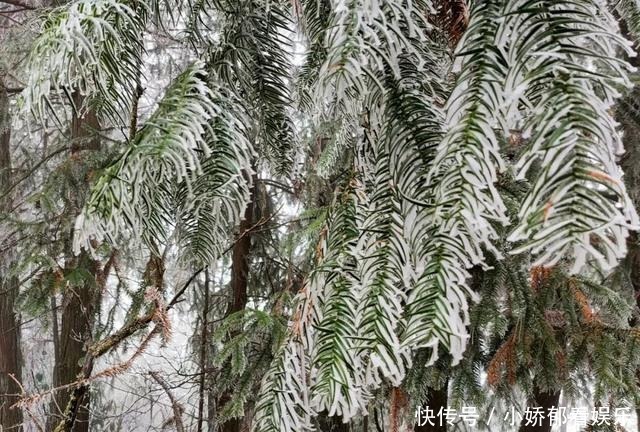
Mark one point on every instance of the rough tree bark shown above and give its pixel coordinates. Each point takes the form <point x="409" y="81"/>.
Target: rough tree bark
<point x="204" y="343"/>
<point x="436" y="399"/>
<point x="10" y="358"/>
<point x="633" y="263"/>
<point x="632" y="174"/>
<point x="332" y="424"/>
<point x="239" y="278"/>
<point x="78" y="302"/>
<point x="545" y="400"/>
<point x="75" y="333"/>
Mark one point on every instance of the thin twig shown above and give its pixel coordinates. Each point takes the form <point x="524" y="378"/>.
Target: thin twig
<point x="27" y="409"/>
<point x="175" y="405"/>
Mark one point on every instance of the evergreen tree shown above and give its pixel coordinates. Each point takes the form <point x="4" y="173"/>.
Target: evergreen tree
<point x="438" y="181"/>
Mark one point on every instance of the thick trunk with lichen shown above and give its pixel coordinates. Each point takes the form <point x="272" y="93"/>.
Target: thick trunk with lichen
<point x="10" y="358"/>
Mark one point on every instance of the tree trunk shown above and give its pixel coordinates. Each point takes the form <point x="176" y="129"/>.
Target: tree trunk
<point x="211" y="406"/>
<point x="78" y="302"/>
<point x="10" y="358"/>
<point x="437" y="399"/>
<point x="633" y="260"/>
<point x="338" y="426"/>
<point x="240" y="262"/>
<point x="332" y="424"/>
<point x="632" y="174"/>
<point x="204" y="341"/>
<point x="545" y="400"/>
<point x="238" y="301"/>
<point x="75" y="333"/>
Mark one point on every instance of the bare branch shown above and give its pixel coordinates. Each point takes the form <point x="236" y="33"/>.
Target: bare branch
<point x="18" y="3"/>
<point x="175" y="405"/>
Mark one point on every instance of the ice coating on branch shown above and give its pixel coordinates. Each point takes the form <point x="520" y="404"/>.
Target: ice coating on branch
<point x="578" y="207"/>
<point x="171" y="150"/>
<point x="76" y="51"/>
